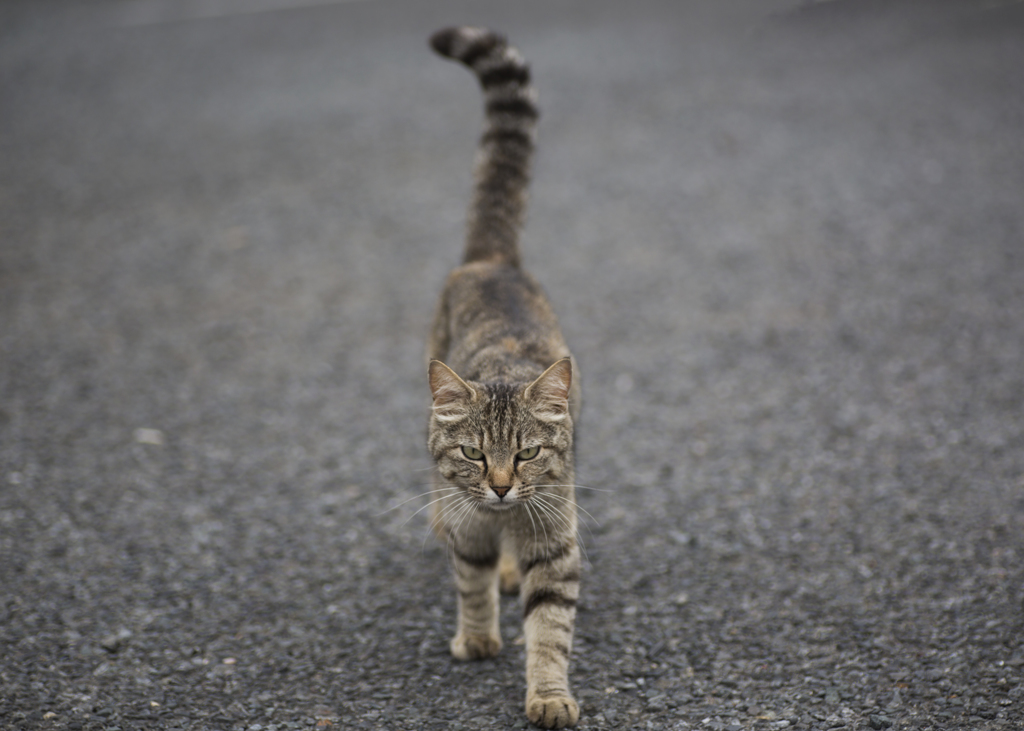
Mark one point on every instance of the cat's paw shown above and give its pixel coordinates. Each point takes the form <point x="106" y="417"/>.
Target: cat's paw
<point x="475" y="647"/>
<point x="557" y="711"/>
<point x="508" y="575"/>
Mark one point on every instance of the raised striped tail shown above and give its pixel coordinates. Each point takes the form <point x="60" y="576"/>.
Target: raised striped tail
<point x="503" y="164"/>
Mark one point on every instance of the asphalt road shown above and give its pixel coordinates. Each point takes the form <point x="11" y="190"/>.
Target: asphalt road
<point x="786" y="245"/>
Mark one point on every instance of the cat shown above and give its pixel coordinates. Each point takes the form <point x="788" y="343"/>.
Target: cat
<point x="506" y="395"/>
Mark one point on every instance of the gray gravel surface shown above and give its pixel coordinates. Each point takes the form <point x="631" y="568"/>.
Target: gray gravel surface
<point x="786" y="244"/>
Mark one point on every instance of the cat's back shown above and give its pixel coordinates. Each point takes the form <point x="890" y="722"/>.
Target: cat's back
<point x="500" y="325"/>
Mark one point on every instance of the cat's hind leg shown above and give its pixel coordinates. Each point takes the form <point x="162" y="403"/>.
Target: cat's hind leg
<point x="508" y="570"/>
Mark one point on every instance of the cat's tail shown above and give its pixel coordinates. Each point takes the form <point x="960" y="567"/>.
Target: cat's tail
<point x="503" y="163"/>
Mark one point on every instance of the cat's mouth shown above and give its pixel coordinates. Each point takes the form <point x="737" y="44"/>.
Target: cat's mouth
<point x="500" y="507"/>
<point x="501" y="503"/>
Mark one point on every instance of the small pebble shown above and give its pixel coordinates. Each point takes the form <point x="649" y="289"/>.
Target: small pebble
<point x="149" y="436"/>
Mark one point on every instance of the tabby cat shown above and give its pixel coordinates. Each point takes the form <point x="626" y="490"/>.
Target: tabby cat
<point x="506" y="394"/>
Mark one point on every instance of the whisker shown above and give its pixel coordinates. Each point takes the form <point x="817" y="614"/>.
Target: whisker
<point x="409" y="500"/>
<point x="443" y="497"/>
<point x="583" y="487"/>
<point x="579" y="535"/>
<point x="572" y="502"/>
<point x="543" y="527"/>
<point x="461" y="517"/>
<point x="538" y="497"/>
<point x="568" y="527"/>
<point x="529" y="514"/>
<point x="464" y="513"/>
<point x="441" y="515"/>
<point x="443" y="519"/>
<point x="551" y="511"/>
<point x="447" y="514"/>
<point x="436" y="520"/>
<point x="580" y="542"/>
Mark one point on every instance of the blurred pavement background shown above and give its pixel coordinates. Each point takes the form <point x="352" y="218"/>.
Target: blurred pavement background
<point x="785" y="241"/>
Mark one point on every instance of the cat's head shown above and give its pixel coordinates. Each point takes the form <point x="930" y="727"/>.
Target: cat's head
<point x="499" y="442"/>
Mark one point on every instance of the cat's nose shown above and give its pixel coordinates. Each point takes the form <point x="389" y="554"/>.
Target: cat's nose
<point x="501" y="491"/>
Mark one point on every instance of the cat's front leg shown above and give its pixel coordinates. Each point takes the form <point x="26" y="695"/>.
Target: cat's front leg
<point x="472" y="544"/>
<point x="550" y="588"/>
<point x="476" y="579"/>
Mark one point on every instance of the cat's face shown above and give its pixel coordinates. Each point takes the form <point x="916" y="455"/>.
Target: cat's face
<point x="499" y="443"/>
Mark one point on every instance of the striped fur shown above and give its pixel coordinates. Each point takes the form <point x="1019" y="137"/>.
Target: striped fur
<point x="503" y="165"/>
<point x="505" y="398"/>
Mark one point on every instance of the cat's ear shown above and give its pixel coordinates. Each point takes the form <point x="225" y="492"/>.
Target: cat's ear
<point x="548" y="396"/>
<point x="451" y="393"/>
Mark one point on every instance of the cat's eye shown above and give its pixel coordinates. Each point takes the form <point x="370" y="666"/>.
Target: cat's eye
<point x="528" y="454"/>
<point x="472" y="453"/>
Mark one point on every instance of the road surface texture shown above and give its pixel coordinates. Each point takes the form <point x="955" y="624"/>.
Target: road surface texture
<point x="786" y="243"/>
